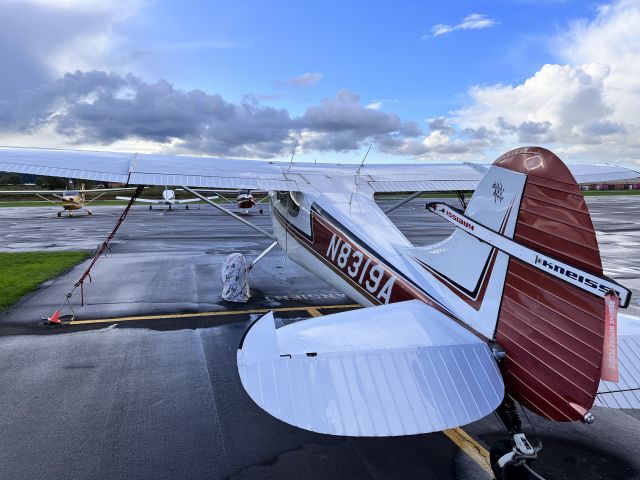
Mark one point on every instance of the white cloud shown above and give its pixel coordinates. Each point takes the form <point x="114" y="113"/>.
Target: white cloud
<point x="305" y="80"/>
<point x="378" y="104"/>
<point x="475" y="21"/>
<point x="586" y="108"/>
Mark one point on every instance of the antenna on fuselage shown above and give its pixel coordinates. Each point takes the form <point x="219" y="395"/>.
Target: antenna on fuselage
<point x="355" y="179"/>
<point x="293" y="152"/>
<point x="365" y="157"/>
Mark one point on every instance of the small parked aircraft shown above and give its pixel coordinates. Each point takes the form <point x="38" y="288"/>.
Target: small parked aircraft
<point x="244" y="200"/>
<point x="168" y="198"/>
<point x="513" y="307"/>
<point x="70" y="200"/>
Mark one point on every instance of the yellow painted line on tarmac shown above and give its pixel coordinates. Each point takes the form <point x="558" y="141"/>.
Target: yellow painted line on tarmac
<point x="212" y="314"/>
<point x="471" y="447"/>
<point x="314" y="312"/>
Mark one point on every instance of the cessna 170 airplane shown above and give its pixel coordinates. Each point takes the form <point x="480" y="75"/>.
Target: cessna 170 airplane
<point x="168" y="198"/>
<point x="70" y="200"/>
<point x="513" y="307"/>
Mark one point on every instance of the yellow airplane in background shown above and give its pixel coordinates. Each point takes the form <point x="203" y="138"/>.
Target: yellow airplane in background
<point x="69" y="200"/>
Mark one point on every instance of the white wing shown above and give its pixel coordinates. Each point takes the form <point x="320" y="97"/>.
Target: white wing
<point x="235" y="174"/>
<point x="625" y="393"/>
<point x="398" y="369"/>
<point x="142" y="200"/>
<point x="31" y="192"/>
<point x="192" y="200"/>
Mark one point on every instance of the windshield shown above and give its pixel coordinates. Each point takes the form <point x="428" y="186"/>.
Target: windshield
<point x="70" y="193"/>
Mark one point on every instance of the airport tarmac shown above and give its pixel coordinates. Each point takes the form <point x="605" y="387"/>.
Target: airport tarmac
<point x="158" y="395"/>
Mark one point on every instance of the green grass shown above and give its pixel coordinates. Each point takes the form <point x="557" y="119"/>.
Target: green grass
<point x="22" y="272"/>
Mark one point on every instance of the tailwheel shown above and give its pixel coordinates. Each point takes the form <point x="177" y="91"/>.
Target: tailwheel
<point x="512" y="458"/>
<point x="506" y="463"/>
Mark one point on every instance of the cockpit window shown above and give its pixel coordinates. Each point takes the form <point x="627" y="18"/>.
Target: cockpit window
<point x="70" y="193"/>
<point x="290" y="202"/>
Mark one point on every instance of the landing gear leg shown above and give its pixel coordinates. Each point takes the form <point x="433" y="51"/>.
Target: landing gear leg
<point x="512" y="458"/>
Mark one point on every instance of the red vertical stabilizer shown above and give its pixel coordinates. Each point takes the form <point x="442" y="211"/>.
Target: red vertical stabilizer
<point x="551" y="331"/>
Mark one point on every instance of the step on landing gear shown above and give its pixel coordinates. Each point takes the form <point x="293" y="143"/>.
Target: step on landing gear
<point x="512" y="458"/>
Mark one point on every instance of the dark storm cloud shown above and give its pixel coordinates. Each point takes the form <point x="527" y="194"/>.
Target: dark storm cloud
<point x="529" y="131"/>
<point x="440" y="125"/>
<point x="343" y="123"/>
<point x="601" y="128"/>
<point x="100" y="107"/>
<point x="345" y="112"/>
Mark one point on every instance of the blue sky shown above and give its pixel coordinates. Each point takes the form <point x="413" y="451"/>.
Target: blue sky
<point x="420" y="80"/>
<point x="378" y="51"/>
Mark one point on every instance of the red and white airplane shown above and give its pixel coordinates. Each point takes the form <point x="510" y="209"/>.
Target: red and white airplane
<point x="168" y="198"/>
<point x="513" y="307"/>
<point x="244" y="200"/>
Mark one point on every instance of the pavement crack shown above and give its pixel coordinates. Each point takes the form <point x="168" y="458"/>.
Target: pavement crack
<point x="215" y="406"/>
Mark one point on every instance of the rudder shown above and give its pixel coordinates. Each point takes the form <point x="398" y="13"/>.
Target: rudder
<point x="552" y="331"/>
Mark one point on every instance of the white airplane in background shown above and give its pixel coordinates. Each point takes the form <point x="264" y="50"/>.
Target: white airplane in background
<point x="168" y="198"/>
<point x="512" y="307"/>
<point x="70" y="200"/>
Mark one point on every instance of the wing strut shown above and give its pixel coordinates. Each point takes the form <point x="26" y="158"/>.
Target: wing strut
<point x="402" y="202"/>
<point x="230" y="213"/>
<point x="261" y="256"/>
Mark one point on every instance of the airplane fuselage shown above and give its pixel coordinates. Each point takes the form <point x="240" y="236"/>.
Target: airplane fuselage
<point x="320" y="242"/>
<point x="72" y="202"/>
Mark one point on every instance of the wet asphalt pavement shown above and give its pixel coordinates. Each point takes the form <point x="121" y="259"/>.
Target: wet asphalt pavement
<point x="162" y="398"/>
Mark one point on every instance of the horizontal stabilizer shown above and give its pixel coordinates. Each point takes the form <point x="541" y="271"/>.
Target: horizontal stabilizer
<point x="625" y="393"/>
<point x="396" y="369"/>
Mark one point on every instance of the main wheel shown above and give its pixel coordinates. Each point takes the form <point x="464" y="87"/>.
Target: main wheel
<point x="89" y="212"/>
<point x="59" y="214"/>
<point x="149" y="207"/>
<point x="498" y="450"/>
<point x="187" y="207"/>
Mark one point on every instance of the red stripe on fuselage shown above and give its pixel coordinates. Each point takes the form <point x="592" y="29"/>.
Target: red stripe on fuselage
<point x="355" y="264"/>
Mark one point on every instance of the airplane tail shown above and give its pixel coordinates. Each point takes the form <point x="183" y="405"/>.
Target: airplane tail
<point x="552" y="330"/>
<point x="528" y="275"/>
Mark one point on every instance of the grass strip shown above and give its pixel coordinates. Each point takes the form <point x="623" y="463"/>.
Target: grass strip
<point x="21" y="272"/>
